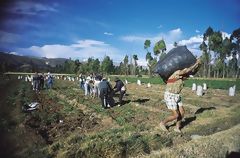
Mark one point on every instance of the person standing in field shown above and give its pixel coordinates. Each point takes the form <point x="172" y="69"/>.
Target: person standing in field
<point x="119" y="87"/>
<point x="96" y="91"/>
<point x="172" y="96"/>
<point x="49" y="81"/>
<point x="35" y="81"/>
<point x="82" y="81"/>
<point x="41" y="82"/>
<point x="87" y="87"/>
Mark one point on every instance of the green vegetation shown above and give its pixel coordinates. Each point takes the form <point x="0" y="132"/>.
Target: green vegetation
<point x="211" y="83"/>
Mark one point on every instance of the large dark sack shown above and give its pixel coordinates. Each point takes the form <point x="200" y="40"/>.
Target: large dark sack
<point x="176" y="59"/>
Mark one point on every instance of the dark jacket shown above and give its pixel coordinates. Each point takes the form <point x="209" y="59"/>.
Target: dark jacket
<point x="41" y="77"/>
<point x="118" y="86"/>
<point x="36" y="77"/>
<point x="105" y="85"/>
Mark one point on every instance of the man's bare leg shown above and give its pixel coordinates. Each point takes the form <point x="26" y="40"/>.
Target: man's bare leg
<point x="182" y="112"/>
<point x="174" y="116"/>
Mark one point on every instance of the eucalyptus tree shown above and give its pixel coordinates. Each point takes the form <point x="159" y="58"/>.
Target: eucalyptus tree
<point x="235" y="38"/>
<point x="206" y="36"/>
<point x="107" y="65"/>
<point x="135" y="58"/>
<point x="205" y="57"/>
<point x="215" y="44"/>
<point x="160" y="48"/>
<point x="125" y="62"/>
<point x="149" y="57"/>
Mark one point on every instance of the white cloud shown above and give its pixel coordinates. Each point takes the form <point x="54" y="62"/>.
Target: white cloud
<point x="82" y="49"/>
<point x="197" y="31"/>
<point x="193" y="44"/>
<point x="142" y="62"/>
<point x="175" y="32"/>
<point x="88" y="44"/>
<point x="133" y="38"/>
<point x="108" y="33"/>
<point x="7" y="37"/>
<point x="15" y="53"/>
<point x="192" y="40"/>
<point x="169" y="37"/>
<point x="30" y="8"/>
<point x="225" y="34"/>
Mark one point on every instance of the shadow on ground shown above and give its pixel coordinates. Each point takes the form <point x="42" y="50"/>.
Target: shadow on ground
<point x="201" y="110"/>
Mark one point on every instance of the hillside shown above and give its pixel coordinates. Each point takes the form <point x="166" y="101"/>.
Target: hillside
<point x="26" y="63"/>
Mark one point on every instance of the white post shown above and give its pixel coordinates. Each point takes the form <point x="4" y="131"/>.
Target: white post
<point x="139" y="82"/>
<point x="199" y="90"/>
<point x="194" y="87"/>
<point x="231" y="91"/>
<point x="148" y="85"/>
<point x="204" y="86"/>
<point x="126" y="81"/>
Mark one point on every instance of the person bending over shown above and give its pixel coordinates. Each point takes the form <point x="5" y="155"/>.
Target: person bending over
<point x="119" y="87"/>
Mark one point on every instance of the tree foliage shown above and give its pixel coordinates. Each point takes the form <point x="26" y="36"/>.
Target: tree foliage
<point x="159" y="48"/>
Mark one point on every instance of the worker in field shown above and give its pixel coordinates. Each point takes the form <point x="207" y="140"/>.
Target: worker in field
<point x="172" y="96"/>
<point x="49" y="81"/>
<point x="35" y="81"/>
<point x="87" y="86"/>
<point x="41" y="81"/>
<point x="96" y="82"/>
<point x="106" y="94"/>
<point x="119" y="87"/>
<point x="81" y="81"/>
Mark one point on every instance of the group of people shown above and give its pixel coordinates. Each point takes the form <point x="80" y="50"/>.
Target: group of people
<point x="174" y="85"/>
<point x="97" y="86"/>
<point x="38" y="81"/>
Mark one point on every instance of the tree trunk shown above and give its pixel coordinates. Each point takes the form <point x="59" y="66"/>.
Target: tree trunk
<point x="209" y="70"/>
<point x="223" y="70"/>
<point x="227" y="73"/>
<point x="149" y="70"/>
<point x="214" y="74"/>
<point x="204" y="70"/>
<point x="237" y="73"/>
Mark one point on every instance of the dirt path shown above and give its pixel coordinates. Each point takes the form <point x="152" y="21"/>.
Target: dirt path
<point x="15" y="137"/>
<point x="7" y="146"/>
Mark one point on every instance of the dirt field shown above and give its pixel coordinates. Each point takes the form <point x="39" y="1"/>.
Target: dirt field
<point x="70" y="125"/>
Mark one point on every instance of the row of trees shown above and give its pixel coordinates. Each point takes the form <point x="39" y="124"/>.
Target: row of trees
<point x="219" y="58"/>
<point x="127" y="67"/>
<point x="219" y="54"/>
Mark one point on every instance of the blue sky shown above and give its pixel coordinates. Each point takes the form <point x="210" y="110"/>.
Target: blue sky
<point x="94" y="28"/>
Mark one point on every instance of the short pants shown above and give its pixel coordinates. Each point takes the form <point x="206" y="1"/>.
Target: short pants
<point x="173" y="101"/>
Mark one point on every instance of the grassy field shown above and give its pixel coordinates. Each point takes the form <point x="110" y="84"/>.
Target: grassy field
<point x="68" y="124"/>
<point x="211" y="83"/>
